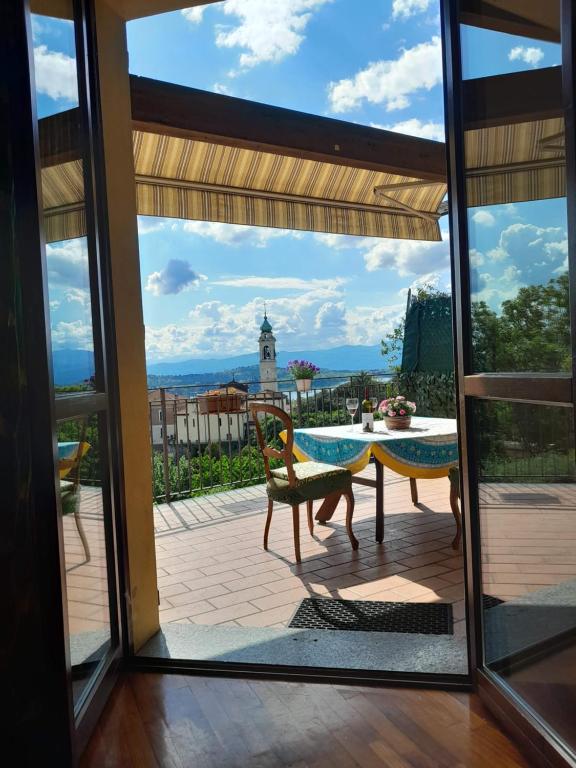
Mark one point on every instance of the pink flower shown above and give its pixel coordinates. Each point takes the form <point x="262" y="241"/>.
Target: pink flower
<point x="391" y="413"/>
<point x="400" y="397"/>
<point x="402" y="412"/>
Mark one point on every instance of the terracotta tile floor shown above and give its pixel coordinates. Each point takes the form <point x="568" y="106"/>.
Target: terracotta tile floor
<point x="213" y="570"/>
<point x="86" y="582"/>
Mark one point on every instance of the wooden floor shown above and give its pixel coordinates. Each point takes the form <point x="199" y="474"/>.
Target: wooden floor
<point x="172" y="721"/>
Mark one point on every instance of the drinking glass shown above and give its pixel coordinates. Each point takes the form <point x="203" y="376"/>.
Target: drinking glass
<point x="375" y="402"/>
<point x="352" y="406"/>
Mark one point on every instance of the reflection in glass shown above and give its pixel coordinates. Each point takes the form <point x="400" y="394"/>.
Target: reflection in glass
<point x="515" y="188"/>
<point x="82" y="507"/>
<point x="527" y="506"/>
<point x="488" y="52"/>
<point x="519" y="287"/>
<point x="60" y="132"/>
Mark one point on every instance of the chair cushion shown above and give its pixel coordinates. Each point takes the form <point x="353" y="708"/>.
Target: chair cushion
<point x="314" y="480"/>
<point x="69" y="496"/>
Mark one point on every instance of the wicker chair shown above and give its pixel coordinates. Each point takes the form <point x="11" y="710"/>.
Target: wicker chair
<point x="296" y="483"/>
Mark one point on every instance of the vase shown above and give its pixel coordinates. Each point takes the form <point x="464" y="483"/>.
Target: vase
<point x="398" y="422"/>
<point x="303" y="385"/>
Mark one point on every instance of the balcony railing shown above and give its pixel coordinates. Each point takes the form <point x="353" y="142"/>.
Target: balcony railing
<point x="203" y="438"/>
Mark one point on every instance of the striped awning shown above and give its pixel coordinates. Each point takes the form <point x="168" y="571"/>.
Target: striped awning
<point x="515" y="162"/>
<point x="189" y="179"/>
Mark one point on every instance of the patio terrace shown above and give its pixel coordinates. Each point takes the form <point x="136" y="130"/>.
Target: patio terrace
<point x="213" y="571"/>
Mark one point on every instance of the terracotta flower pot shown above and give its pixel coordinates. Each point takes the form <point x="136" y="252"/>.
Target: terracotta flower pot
<point x="303" y="385"/>
<point x="398" y="422"/>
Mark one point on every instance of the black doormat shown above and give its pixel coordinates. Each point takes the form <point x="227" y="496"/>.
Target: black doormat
<point x="490" y="601"/>
<point x="372" y="616"/>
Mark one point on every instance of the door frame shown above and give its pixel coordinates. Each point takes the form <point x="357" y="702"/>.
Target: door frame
<point x="542" y="389"/>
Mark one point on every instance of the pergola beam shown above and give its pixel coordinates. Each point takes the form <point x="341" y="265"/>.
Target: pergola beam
<point x="175" y="110"/>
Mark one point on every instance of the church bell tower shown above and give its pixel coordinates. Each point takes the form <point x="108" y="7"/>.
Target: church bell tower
<point x="267" y="342"/>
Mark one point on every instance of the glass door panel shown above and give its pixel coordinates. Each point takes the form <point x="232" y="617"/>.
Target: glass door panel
<point x="75" y="260"/>
<point x="515" y="358"/>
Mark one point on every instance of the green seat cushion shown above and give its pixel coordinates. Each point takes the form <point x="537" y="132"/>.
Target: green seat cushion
<point x="69" y="496"/>
<point x="314" y="480"/>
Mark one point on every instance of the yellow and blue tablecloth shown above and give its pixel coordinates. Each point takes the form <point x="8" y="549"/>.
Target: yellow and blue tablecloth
<point x="427" y="450"/>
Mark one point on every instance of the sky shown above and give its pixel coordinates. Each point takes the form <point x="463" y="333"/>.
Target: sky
<point x="375" y="62"/>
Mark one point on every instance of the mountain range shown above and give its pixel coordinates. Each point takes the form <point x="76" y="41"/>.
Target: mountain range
<point x="344" y="358"/>
<point x="73" y="366"/>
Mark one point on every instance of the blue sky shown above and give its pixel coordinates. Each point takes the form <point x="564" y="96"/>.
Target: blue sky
<point x="376" y="62"/>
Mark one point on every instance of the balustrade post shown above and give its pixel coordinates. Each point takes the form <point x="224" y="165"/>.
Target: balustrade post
<point x="167" y="490"/>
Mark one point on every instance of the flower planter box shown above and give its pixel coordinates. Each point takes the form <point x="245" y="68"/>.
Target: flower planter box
<point x="232" y="403"/>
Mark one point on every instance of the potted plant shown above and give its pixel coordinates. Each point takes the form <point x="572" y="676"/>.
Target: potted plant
<point x="397" y="412"/>
<point x="303" y="371"/>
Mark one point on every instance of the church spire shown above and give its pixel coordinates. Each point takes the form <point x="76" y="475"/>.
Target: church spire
<point x="268" y="365"/>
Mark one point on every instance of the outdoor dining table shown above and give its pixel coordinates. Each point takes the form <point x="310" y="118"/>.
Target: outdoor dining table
<point x="426" y="450"/>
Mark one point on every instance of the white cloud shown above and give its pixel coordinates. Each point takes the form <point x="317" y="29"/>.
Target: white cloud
<point x="403" y="9"/>
<point x="416" y="127"/>
<point x="67" y="263"/>
<point x="337" y="242"/>
<point x="76" y="334"/>
<point x="78" y="296"/>
<point x="268" y="31"/>
<point x="177" y="276"/>
<point x="525" y="255"/>
<point x="54" y="305"/>
<point x="407" y="257"/>
<point x="390" y="82"/>
<point x="236" y="234"/>
<point x="529" y="55"/>
<point x="221" y="88"/>
<point x="484" y="218"/>
<point x="280" y="283"/>
<point x="310" y="320"/>
<point x="55" y="74"/>
<point x="149" y="224"/>
<point x="193" y="15"/>
<point x="476" y="258"/>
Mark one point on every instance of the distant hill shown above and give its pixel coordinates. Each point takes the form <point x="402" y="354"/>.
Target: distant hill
<point x="345" y="358"/>
<point x="72" y="366"/>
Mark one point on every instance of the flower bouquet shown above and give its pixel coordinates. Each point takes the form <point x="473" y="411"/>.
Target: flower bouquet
<point x="397" y="412"/>
<point x="303" y="371"/>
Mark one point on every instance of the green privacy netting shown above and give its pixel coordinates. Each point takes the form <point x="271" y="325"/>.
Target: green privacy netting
<point x="428" y="335"/>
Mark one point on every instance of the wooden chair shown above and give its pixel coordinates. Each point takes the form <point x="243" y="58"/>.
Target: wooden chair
<point x="454" y="475"/>
<point x="296" y="483"/>
<point x="69" y="468"/>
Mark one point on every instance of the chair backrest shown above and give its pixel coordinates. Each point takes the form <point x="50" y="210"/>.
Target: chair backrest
<point x="268" y="452"/>
<point x="69" y="467"/>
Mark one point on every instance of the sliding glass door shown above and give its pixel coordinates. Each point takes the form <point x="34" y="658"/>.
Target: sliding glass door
<point x="512" y="192"/>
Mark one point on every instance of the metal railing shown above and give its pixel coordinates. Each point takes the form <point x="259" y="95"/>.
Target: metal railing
<point x="203" y="438"/>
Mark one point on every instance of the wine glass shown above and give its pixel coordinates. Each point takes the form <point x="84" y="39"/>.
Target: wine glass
<point x="375" y="402"/>
<point x="352" y="406"/>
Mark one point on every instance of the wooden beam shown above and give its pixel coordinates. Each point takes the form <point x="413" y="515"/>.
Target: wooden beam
<point x="59" y="137"/>
<point x="535" y="19"/>
<point x="175" y="110"/>
<point x="519" y="97"/>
